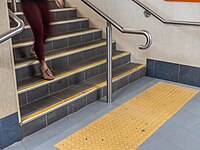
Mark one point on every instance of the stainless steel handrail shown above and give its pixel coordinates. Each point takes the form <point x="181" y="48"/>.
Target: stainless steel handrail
<point x="120" y="28"/>
<point x="14" y="5"/>
<point x="111" y="22"/>
<point x="14" y="31"/>
<point x="176" y="22"/>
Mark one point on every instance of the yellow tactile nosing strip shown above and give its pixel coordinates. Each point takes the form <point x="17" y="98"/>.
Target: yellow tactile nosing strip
<point x="62" y="54"/>
<point x="62" y="22"/>
<point x="61" y="76"/>
<point x="70" y="99"/>
<point x="129" y="125"/>
<point x="59" y="37"/>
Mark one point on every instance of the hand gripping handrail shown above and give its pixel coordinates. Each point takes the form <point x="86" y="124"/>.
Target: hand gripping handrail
<point x="120" y="28"/>
<point x="14" y="31"/>
<point x="176" y="22"/>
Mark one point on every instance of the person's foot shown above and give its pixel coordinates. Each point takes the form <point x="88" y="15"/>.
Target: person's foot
<point x="46" y="72"/>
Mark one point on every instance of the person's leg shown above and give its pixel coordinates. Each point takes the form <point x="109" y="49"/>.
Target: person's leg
<point x="33" y="16"/>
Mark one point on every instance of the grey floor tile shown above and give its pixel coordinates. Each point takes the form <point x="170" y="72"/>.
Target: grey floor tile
<point x="185" y="119"/>
<point x="16" y="146"/>
<point x="171" y="128"/>
<point x="195" y="129"/>
<point x="187" y="140"/>
<point x="160" y="144"/>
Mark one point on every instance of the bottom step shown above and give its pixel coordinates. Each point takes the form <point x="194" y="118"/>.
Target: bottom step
<point x="44" y="112"/>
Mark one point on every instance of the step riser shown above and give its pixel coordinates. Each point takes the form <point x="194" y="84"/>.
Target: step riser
<point x="66" y="82"/>
<point x="55" y="16"/>
<point x="52" y="5"/>
<point x="61" y="28"/>
<point x="24" y="52"/>
<point x="72" y="107"/>
<point x="33" y="70"/>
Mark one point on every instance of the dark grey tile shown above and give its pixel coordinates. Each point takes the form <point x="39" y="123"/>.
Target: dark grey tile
<point x="189" y="75"/>
<point x="134" y="76"/>
<point x="77" y="105"/>
<point x="60" y="43"/>
<point x="22" y="99"/>
<point x="74" y="40"/>
<point x="94" y="96"/>
<point x="27" y="109"/>
<point x="49" y="46"/>
<point x="27" y="72"/>
<point x="76" y="78"/>
<point x="150" y="67"/>
<point x="122" y="82"/>
<point x="59" y="63"/>
<point x="27" y="34"/>
<point x="142" y="72"/>
<point x="91" y="72"/>
<point x="75" y="58"/>
<point x="45" y="102"/>
<point x="97" y="35"/>
<point x="71" y="14"/>
<point x="101" y="50"/>
<point x="60" y="28"/>
<point x="65" y="93"/>
<point x="166" y="71"/>
<point x="59" y="85"/>
<point x="85" y="24"/>
<point x="89" y="53"/>
<point x="87" y="37"/>
<point x="74" y="26"/>
<point x="22" y="52"/>
<point x="10" y="131"/>
<point x="37" y="93"/>
<point x="102" y="68"/>
<point x="34" y="126"/>
<point x="57" y="114"/>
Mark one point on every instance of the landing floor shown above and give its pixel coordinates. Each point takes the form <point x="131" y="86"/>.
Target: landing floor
<point x="181" y="132"/>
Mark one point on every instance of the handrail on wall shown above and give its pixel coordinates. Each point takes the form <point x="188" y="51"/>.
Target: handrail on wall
<point x="111" y="22"/>
<point x="14" y="31"/>
<point x="120" y="28"/>
<point x="176" y="22"/>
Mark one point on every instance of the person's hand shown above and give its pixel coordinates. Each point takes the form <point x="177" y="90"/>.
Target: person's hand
<point x="60" y="3"/>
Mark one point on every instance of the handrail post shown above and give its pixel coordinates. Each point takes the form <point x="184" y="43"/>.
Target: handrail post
<point x="14" y="5"/>
<point x="109" y="62"/>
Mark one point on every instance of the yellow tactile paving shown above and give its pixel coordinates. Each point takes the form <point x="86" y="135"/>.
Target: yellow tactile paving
<point x="129" y="125"/>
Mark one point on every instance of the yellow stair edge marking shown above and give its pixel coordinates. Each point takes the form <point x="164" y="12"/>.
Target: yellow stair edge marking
<point x="71" y="72"/>
<point x="62" y="53"/>
<point x="67" y="35"/>
<point x="78" y="94"/>
<point x="129" y="125"/>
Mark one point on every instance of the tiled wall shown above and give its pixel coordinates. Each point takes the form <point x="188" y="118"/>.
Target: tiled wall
<point x="9" y="130"/>
<point x="173" y="72"/>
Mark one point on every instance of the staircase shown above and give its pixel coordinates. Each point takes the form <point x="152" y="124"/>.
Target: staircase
<point x="76" y="54"/>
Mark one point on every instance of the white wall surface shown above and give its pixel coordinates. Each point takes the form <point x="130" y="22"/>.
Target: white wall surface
<point x="178" y="44"/>
<point x="8" y="96"/>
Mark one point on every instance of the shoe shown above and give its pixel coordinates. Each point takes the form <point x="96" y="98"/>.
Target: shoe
<point x="47" y="74"/>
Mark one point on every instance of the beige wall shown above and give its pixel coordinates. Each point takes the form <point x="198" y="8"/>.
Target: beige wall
<point x="8" y="96"/>
<point x="179" y="44"/>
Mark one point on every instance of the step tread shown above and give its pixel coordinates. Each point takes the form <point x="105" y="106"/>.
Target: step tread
<point x="43" y="105"/>
<point x="77" y="19"/>
<point x="52" y="10"/>
<point x="59" y="53"/>
<point x="62" y="72"/>
<point x="57" y="37"/>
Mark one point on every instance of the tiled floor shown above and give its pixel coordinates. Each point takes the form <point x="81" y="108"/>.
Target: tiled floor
<point x="181" y="132"/>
